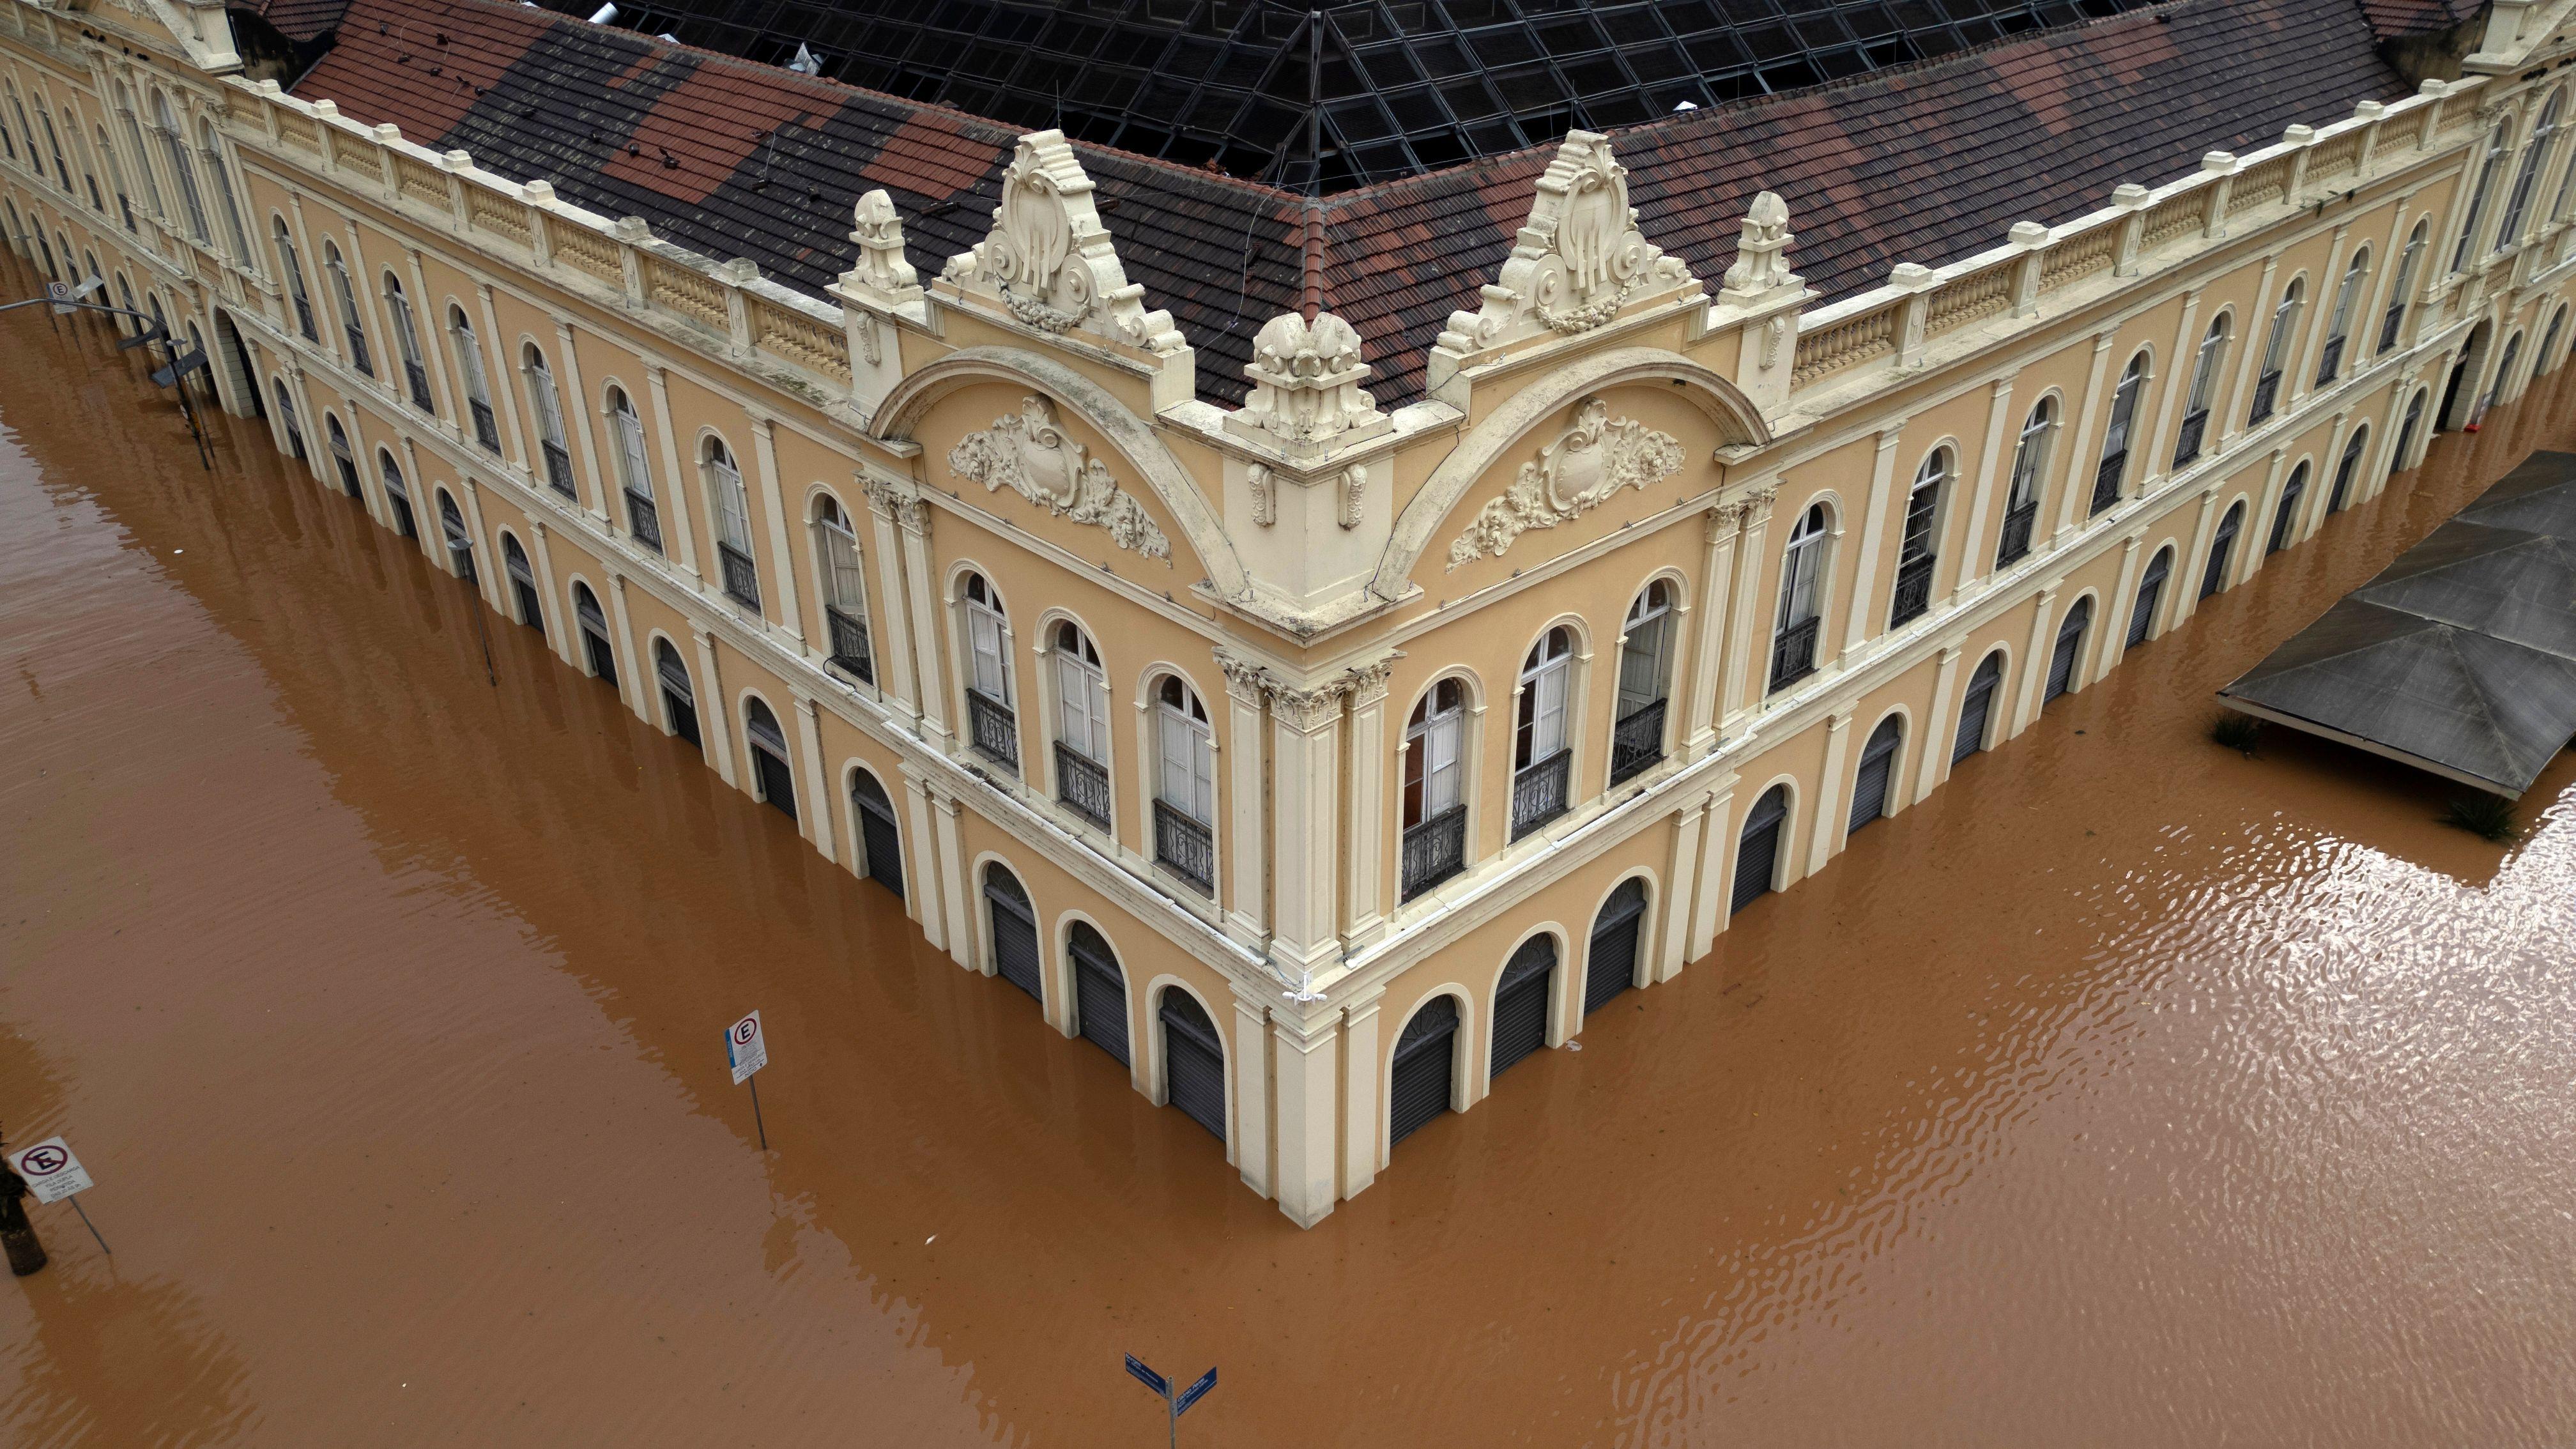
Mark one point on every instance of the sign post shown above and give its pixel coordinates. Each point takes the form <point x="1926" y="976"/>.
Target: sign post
<point x="748" y="1051"/>
<point x="1174" y="1404"/>
<point x="53" y="1174"/>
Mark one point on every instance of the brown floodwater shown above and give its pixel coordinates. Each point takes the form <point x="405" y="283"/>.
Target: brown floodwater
<point x="2126" y="1092"/>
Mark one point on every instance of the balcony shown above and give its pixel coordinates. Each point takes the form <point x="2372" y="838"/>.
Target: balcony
<point x="2330" y="361"/>
<point x="486" y="431"/>
<point x="1793" y="654"/>
<point x="1913" y="591"/>
<point x="558" y="467"/>
<point x="993" y="730"/>
<point x="1185" y="846"/>
<point x="741" y="580"/>
<point x="2195" y="427"/>
<point x="304" y="320"/>
<point x="1539" y="791"/>
<point x="359" y="357"/>
<point x="1434" y="850"/>
<point x="2106" y="479"/>
<point x="2267" y="390"/>
<point x="643" y="519"/>
<point x="2016" y="540"/>
<point x="417" y="377"/>
<point x="850" y="653"/>
<point x="2388" y="327"/>
<point x="1637" y="741"/>
<point x="1082" y="784"/>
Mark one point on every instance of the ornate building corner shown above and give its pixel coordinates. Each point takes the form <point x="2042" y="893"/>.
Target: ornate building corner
<point x="1762" y="297"/>
<point x="1029" y="454"/>
<point x="1589" y="462"/>
<point x="1050" y="265"/>
<point x="896" y="501"/>
<point x="882" y="275"/>
<point x="1306" y="391"/>
<point x="1761" y="252"/>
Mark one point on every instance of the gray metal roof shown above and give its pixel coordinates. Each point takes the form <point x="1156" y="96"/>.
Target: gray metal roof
<point x="2460" y="657"/>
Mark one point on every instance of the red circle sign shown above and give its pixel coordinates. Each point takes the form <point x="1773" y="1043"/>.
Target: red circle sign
<point x="743" y="1031"/>
<point x="43" y="1161"/>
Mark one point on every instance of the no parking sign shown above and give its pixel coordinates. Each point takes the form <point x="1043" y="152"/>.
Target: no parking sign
<point x="52" y="1173"/>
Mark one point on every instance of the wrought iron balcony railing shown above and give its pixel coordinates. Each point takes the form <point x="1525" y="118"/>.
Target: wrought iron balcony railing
<point x="741" y="579"/>
<point x="1637" y="741"/>
<point x="1184" y="844"/>
<point x="2106" y="479"/>
<point x="1434" y="850"/>
<point x="2267" y="390"/>
<point x="2016" y="540"/>
<point x="643" y="519"/>
<point x="486" y="431"/>
<point x="1082" y="783"/>
<point x="2330" y="361"/>
<point x="418" y="378"/>
<point x="850" y="652"/>
<point x="2195" y="427"/>
<point x="1539" y="792"/>
<point x="1913" y="591"/>
<point x="1793" y="654"/>
<point x="993" y="730"/>
<point x="558" y="467"/>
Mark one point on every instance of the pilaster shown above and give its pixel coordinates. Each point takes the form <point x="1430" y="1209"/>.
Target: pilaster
<point x="1247" y="843"/>
<point x="505" y="396"/>
<point x="715" y="710"/>
<point x="2178" y="369"/>
<point x="952" y="870"/>
<point x="634" y="671"/>
<point x="1364" y="874"/>
<point x="1361" y="1157"/>
<point x="816" y="818"/>
<point x="1938" y="732"/>
<point x="886" y="504"/>
<point x="2034" y="659"/>
<point x="2193" y="566"/>
<point x="1723" y="530"/>
<point x="2117" y="612"/>
<point x="2072" y="476"/>
<point x="2253" y="337"/>
<point x="782" y="558"/>
<point x="577" y="412"/>
<point x="1683" y="871"/>
<point x="1974" y="553"/>
<point x="1745" y="613"/>
<point x="1873" y="525"/>
<point x="1248" y="1145"/>
<point x="677" y="530"/>
<point x="1710" y="900"/>
<point x="1307" y="1060"/>
<point x="1825" y="840"/>
<point x="556" y="616"/>
<point x="1305" y="749"/>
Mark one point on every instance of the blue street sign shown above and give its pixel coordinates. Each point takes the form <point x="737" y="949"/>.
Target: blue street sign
<point x="1148" y="1377"/>
<point x="1194" y="1392"/>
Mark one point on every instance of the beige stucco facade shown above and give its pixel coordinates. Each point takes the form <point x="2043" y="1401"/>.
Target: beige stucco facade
<point x="1030" y="481"/>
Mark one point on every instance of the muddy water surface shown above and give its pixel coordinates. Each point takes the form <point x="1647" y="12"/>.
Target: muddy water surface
<point x="2127" y="1092"/>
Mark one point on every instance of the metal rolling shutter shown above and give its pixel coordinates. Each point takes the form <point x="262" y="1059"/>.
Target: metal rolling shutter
<point x="1611" y="966"/>
<point x="1193" y="1061"/>
<point x="1015" y="932"/>
<point x="2150" y="591"/>
<point x="1869" y="784"/>
<point x="1420" y="1090"/>
<point x="1099" y="992"/>
<point x="877" y="833"/>
<point x="1757" y="854"/>
<point x="1520" y="1002"/>
<point x="2070" y="641"/>
<point x="1974" y="714"/>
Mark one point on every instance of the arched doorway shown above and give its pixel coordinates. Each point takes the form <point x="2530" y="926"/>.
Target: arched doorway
<point x="287" y="419"/>
<point x="460" y="541"/>
<point x="523" y="583"/>
<point x="2070" y="649"/>
<point x="236" y="387"/>
<point x="2285" y="519"/>
<point x="1877" y="768"/>
<point x="344" y="462"/>
<point x="1015" y="930"/>
<point x="1757" y="850"/>
<point x="1099" y="991"/>
<point x="595" y="642"/>
<point x="769" y="758"/>
<point x="1193" y="1060"/>
<point x="1610" y="964"/>
<point x="1977" y="707"/>
<point x="1425" y="1058"/>
<point x="880" y="844"/>
<point x="2457" y="396"/>
<point x="2151" y="592"/>
<point x="2214" y="578"/>
<point x="1520" y="1002"/>
<point x="397" y="497"/>
<point x="679" y="700"/>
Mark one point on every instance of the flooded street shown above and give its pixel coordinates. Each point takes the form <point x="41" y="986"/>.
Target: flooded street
<point x="2125" y="1092"/>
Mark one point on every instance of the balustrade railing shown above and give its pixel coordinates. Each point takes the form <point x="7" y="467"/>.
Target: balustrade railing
<point x="1539" y="792"/>
<point x="1793" y="653"/>
<point x="1637" y="740"/>
<point x="1913" y="591"/>
<point x="1082" y="783"/>
<point x="1434" y="850"/>
<point x="1185" y="845"/>
<point x="993" y="730"/>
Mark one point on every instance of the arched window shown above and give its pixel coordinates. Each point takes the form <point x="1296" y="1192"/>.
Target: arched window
<point x="54" y="144"/>
<point x="1185" y="784"/>
<point x="2213" y="579"/>
<point x="2547" y="357"/>
<point x="2285" y="518"/>
<point x="1876" y="771"/>
<point x="1758" y="848"/>
<point x="1435" y="797"/>
<point x="460" y="539"/>
<point x="126" y="115"/>
<point x="2406" y="431"/>
<point x="2204" y="391"/>
<point x="1541" y="761"/>
<point x="353" y="331"/>
<point x="2069" y="653"/>
<point x="1082" y="724"/>
<point x="1193" y="1060"/>
<point x="2478" y="197"/>
<point x="1802" y="600"/>
<point x="598" y="653"/>
<point x="115" y="175"/>
<point x="174" y="151"/>
<point x="2276" y="352"/>
<point x="1977" y="707"/>
<point x="1645" y="681"/>
<point x="2535" y="153"/>
<point x="523" y="583"/>
<point x="679" y="700"/>
<point x="407" y="342"/>
<point x="397" y="498"/>
<point x="2339" y="327"/>
<point x="1918" y="551"/>
<point x="292" y="272"/>
<point x="634" y="474"/>
<point x="1014" y="925"/>
<point x="845" y="591"/>
<point x="1610" y="958"/>
<point x="992" y="728"/>
<point x="2114" y="469"/>
<point x="89" y="165"/>
<point x="1099" y="991"/>
<point x="769" y="767"/>
<point x="212" y="147"/>
<point x="344" y="462"/>
<point x="2348" y="470"/>
<point x="545" y="404"/>
<point x="1419" y="1086"/>
<point x="478" y="388"/>
<point x="2021" y="498"/>
<point x="732" y="510"/>
<point x="9" y="138"/>
<point x="880" y="842"/>
<point x="2151" y="592"/>
<point x="287" y="420"/>
<point x="1520" y="1002"/>
<point x="45" y="252"/>
<point x="125" y="294"/>
<point x="2394" y="318"/>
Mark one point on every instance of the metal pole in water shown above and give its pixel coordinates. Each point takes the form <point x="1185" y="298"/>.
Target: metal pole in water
<point x="93" y="1227"/>
<point x="763" y="1127"/>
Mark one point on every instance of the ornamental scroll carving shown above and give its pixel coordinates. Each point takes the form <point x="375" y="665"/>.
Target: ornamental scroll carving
<point x="1049" y="262"/>
<point x="1581" y="470"/>
<point x="1029" y="454"/>
<point x="1578" y="260"/>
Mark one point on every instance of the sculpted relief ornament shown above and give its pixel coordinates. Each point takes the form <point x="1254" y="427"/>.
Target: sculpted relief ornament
<point x="1580" y="471"/>
<point x="1049" y="262"/>
<point x="1578" y="260"/>
<point x="1027" y="453"/>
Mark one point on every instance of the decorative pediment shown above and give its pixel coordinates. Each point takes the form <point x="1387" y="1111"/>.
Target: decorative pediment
<point x="1029" y="454"/>
<point x="1580" y="471"/>
<point x="1580" y="260"/>
<point x="1049" y="263"/>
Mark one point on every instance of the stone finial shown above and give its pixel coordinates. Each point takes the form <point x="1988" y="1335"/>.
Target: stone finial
<point x="1306" y="379"/>
<point x="1761" y="250"/>
<point x="1911" y="277"/>
<point x="2028" y="234"/>
<point x="2298" y="135"/>
<point x="2369" y="111"/>
<point x="879" y="232"/>
<point x="1049" y="263"/>
<point x="2129" y="196"/>
<point x="1579" y="260"/>
<point x="2218" y="163"/>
